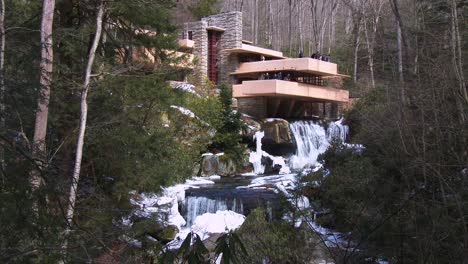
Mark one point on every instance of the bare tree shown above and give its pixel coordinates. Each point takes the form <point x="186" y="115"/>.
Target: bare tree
<point x="2" y="80"/>
<point x="40" y="127"/>
<point x="457" y="60"/>
<point x="399" y="33"/>
<point x="373" y="11"/>
<point x="83" y="120"/>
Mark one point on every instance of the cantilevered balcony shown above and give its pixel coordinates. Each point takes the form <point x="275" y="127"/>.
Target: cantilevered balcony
<point x="306" y="65"/>
<point x="186" y="43"/>
<point x="289" y="89"/>
<point x="251" y="49"/>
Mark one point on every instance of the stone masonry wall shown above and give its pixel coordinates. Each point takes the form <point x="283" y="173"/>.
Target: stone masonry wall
<point x="200" y="48"/>
<point x="231" y="38"/>
<point x="253" y="106"/>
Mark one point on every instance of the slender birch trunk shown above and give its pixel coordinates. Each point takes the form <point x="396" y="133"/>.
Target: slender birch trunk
<point x="46" y="64"/>
<point x="370" y="38"/>
<point x="83" y="120"/>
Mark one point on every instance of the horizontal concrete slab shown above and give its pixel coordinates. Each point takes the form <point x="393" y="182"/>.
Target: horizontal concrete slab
<point x="306" y="65"/>
<point x="280" y="88"/>
<point x="251" y="49"/>
<point x="186" y="43"/>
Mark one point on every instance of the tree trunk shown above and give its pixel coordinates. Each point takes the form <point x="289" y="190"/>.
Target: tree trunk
<point x="2" y="80"/>
<point x="270" y="24"/>
<point x="83" y="120"/>
<point x="290" y="26"/>
<point x="370" y="40"/>
<point x="357" y="41"/>
<point x="457" y="60"/>
<point x="40" y="127"/>
<point x="301" y="38"/>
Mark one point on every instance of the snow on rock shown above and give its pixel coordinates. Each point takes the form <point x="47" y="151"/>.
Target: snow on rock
<point x="187" y="87"/>
<point x="188" y="113"/>
<point x="216" y="223"/>
<point x="165" y="205"/>
<point x="272" y="119"/>
<point x="256" y="157"/>
<point x="214" y="177"/>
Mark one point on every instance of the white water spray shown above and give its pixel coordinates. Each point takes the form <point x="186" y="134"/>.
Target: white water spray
<point x="256" y="157"/>
<point x="312" y="140"/>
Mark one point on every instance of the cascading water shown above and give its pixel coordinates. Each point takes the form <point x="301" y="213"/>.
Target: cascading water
<point x="312" y="140"/>
<point x="197" y="205"/>
<point x="256" y="157"/>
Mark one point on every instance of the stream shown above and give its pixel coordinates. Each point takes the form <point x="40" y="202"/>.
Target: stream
<point x="208" y="205"/>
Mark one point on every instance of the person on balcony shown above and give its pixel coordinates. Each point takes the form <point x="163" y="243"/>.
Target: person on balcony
<point x="314" y="55"/>
<point x="301" y="54"/>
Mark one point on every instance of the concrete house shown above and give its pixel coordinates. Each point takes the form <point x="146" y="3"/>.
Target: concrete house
<point x="265" y="83"/>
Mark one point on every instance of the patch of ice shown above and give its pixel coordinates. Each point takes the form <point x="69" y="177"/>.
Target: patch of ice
<point x="219" y="222"/>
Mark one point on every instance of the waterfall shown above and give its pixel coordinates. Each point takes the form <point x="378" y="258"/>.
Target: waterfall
<point x="256" y="157"/>
<point x="312" y="140"/>
<point x="198" y="205"/>
<point x="337" y="131"/>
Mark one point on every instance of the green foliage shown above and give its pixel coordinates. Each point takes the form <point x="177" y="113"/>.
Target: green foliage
<point x="385" y="194"/>
<point x="276" y="242"/>
<point x="203" y="8"/>
<point x="228" y="138"/>
<point x="231" y="248"/>
<point x="192" y="250"/>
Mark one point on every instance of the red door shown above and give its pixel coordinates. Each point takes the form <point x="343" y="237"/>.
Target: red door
<point x="212" y="56"/>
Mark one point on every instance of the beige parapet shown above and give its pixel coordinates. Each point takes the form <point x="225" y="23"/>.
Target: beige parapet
<point x="280" y="88"/>
<point x="306" y="65"/>
<point x="186" y="43"/>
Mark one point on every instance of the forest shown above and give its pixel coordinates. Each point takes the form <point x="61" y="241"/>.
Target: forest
<point x="84" y="125"/>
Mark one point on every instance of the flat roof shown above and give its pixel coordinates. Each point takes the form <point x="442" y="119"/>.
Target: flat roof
<point x="247" y="48"/>
<point x="215" y="28"/>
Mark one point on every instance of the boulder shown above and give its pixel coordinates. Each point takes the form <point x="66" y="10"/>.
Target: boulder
<point x="147" y="226"/>
<point x="217" y="164"/>
<point x="168" y="234"/>
<point x="251" y="126"/>
<point x="276" y="131"/>
<point x="150" y="227"/>
<point x="209" y="164"/>
<point x="269" y="167"/>
<point x="226" y="167"/>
